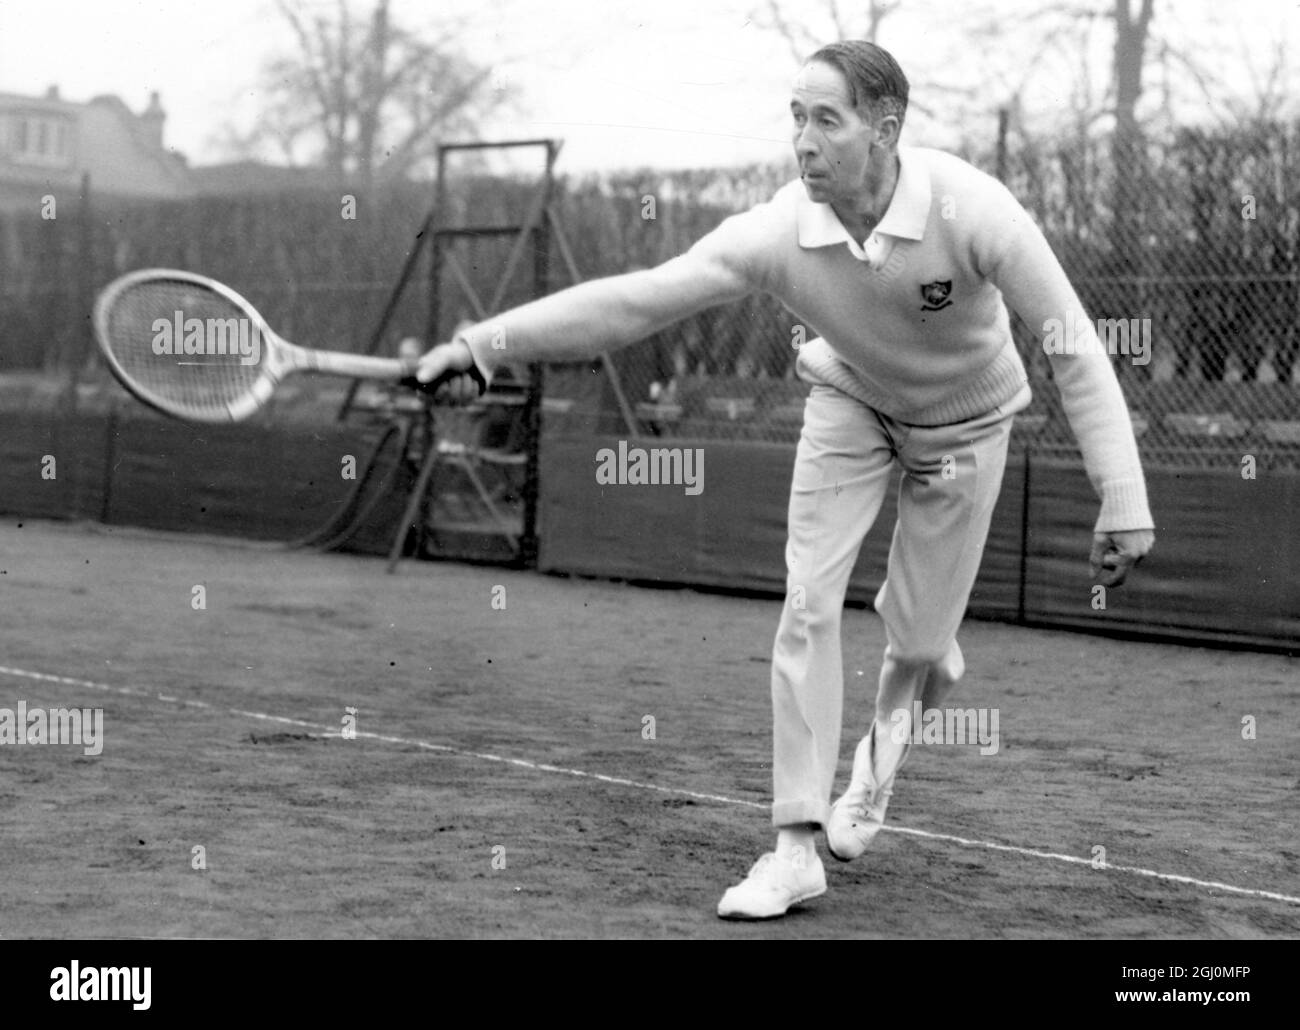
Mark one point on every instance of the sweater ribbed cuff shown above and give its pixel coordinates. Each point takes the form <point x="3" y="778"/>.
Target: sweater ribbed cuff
<point x="1124" y="507"/>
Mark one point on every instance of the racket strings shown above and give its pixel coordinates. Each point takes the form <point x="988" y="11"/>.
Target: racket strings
<point x="185" y="345"/>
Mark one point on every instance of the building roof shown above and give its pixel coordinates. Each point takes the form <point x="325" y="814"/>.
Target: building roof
<point x="121" y="152"/>
<point x="255" y="177"/>
<point x="125" y="156"/>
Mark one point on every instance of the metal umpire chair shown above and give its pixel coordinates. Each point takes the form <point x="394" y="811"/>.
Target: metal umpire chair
<point x="539" y="227"/>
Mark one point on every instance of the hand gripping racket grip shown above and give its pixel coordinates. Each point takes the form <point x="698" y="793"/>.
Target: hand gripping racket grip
<point x="434" y="385"/>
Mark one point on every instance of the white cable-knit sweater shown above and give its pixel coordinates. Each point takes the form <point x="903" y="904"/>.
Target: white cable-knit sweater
<point x="911" y="322"/>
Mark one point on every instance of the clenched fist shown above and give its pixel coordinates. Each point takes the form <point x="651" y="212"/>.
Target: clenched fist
<point x="451" y="363"/>
<point x="1115" y="553"/>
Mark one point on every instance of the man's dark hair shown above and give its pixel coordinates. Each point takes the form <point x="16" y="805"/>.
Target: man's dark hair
<point x="876" y="82"/>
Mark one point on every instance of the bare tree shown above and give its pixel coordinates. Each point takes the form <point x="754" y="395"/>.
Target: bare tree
<point x="1273" y="86"/>
<point x="829" y="21"/>
<point x="365" y="97"/>
<point x="805" y="30"/>
<point x="1064" y="28"/>
<point x="1132" y="30"/>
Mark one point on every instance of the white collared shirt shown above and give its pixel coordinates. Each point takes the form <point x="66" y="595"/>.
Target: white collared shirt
<point x="909" y="208"/>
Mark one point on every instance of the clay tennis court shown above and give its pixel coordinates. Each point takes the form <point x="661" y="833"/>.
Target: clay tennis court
<point x="501" y="782"/>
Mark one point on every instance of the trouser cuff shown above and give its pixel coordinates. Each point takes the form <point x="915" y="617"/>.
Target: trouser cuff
<point x="791" y="813"/>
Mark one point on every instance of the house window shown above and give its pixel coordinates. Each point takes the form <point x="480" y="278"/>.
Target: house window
<point x="37" y="139"/>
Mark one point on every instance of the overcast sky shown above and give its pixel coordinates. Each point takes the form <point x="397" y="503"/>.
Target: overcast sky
<point x="669" y="83"/>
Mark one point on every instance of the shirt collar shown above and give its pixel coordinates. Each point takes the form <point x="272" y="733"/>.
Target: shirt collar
<point x="905" y="218"/>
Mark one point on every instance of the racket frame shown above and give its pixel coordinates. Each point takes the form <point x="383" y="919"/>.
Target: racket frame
<point x="279" y="357"/>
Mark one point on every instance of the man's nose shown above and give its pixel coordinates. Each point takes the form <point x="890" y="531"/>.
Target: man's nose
<point x="804" y="143"/>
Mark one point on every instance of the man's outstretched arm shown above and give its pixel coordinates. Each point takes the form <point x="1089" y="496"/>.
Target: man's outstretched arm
<point x="597" y="316"/>
<point x="1034" y="285"/>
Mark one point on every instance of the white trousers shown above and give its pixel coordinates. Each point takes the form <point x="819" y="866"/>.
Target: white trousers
<point x="950" y="480"/>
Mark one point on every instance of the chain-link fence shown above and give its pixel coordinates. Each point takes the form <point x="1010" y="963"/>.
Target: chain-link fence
<point x="1194" y="245"/>
<point x="1187" y="259"/>
<point x="1190" y="247"/>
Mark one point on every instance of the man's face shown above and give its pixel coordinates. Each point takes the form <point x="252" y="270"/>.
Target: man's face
<point x="832" y="141"/>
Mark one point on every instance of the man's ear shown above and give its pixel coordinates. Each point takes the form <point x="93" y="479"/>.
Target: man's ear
<point x="888" y="130"/>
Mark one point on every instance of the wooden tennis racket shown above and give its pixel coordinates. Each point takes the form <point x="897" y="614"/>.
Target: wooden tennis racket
<point x="194" y="349"/>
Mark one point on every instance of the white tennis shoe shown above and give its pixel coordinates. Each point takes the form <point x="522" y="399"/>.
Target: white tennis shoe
<point x="773" y="885"/>
<point x="859" y="814"/>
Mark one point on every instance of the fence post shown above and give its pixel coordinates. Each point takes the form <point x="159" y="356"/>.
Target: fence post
<point x="1025" y="484"/>
<point x="80" y="347"/>
<point x="1003" y="118"/>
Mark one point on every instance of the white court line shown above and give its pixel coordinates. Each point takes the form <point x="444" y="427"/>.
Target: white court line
<point x="640" y="785"/>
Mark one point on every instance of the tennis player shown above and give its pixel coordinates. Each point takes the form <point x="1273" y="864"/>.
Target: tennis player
<point x="901" y="262"/>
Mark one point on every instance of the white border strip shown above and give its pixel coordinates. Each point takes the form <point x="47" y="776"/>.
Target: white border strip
<point x="620" y="781"/>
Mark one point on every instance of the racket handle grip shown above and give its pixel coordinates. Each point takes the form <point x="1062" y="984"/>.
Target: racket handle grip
<point x="434" y="385"/>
